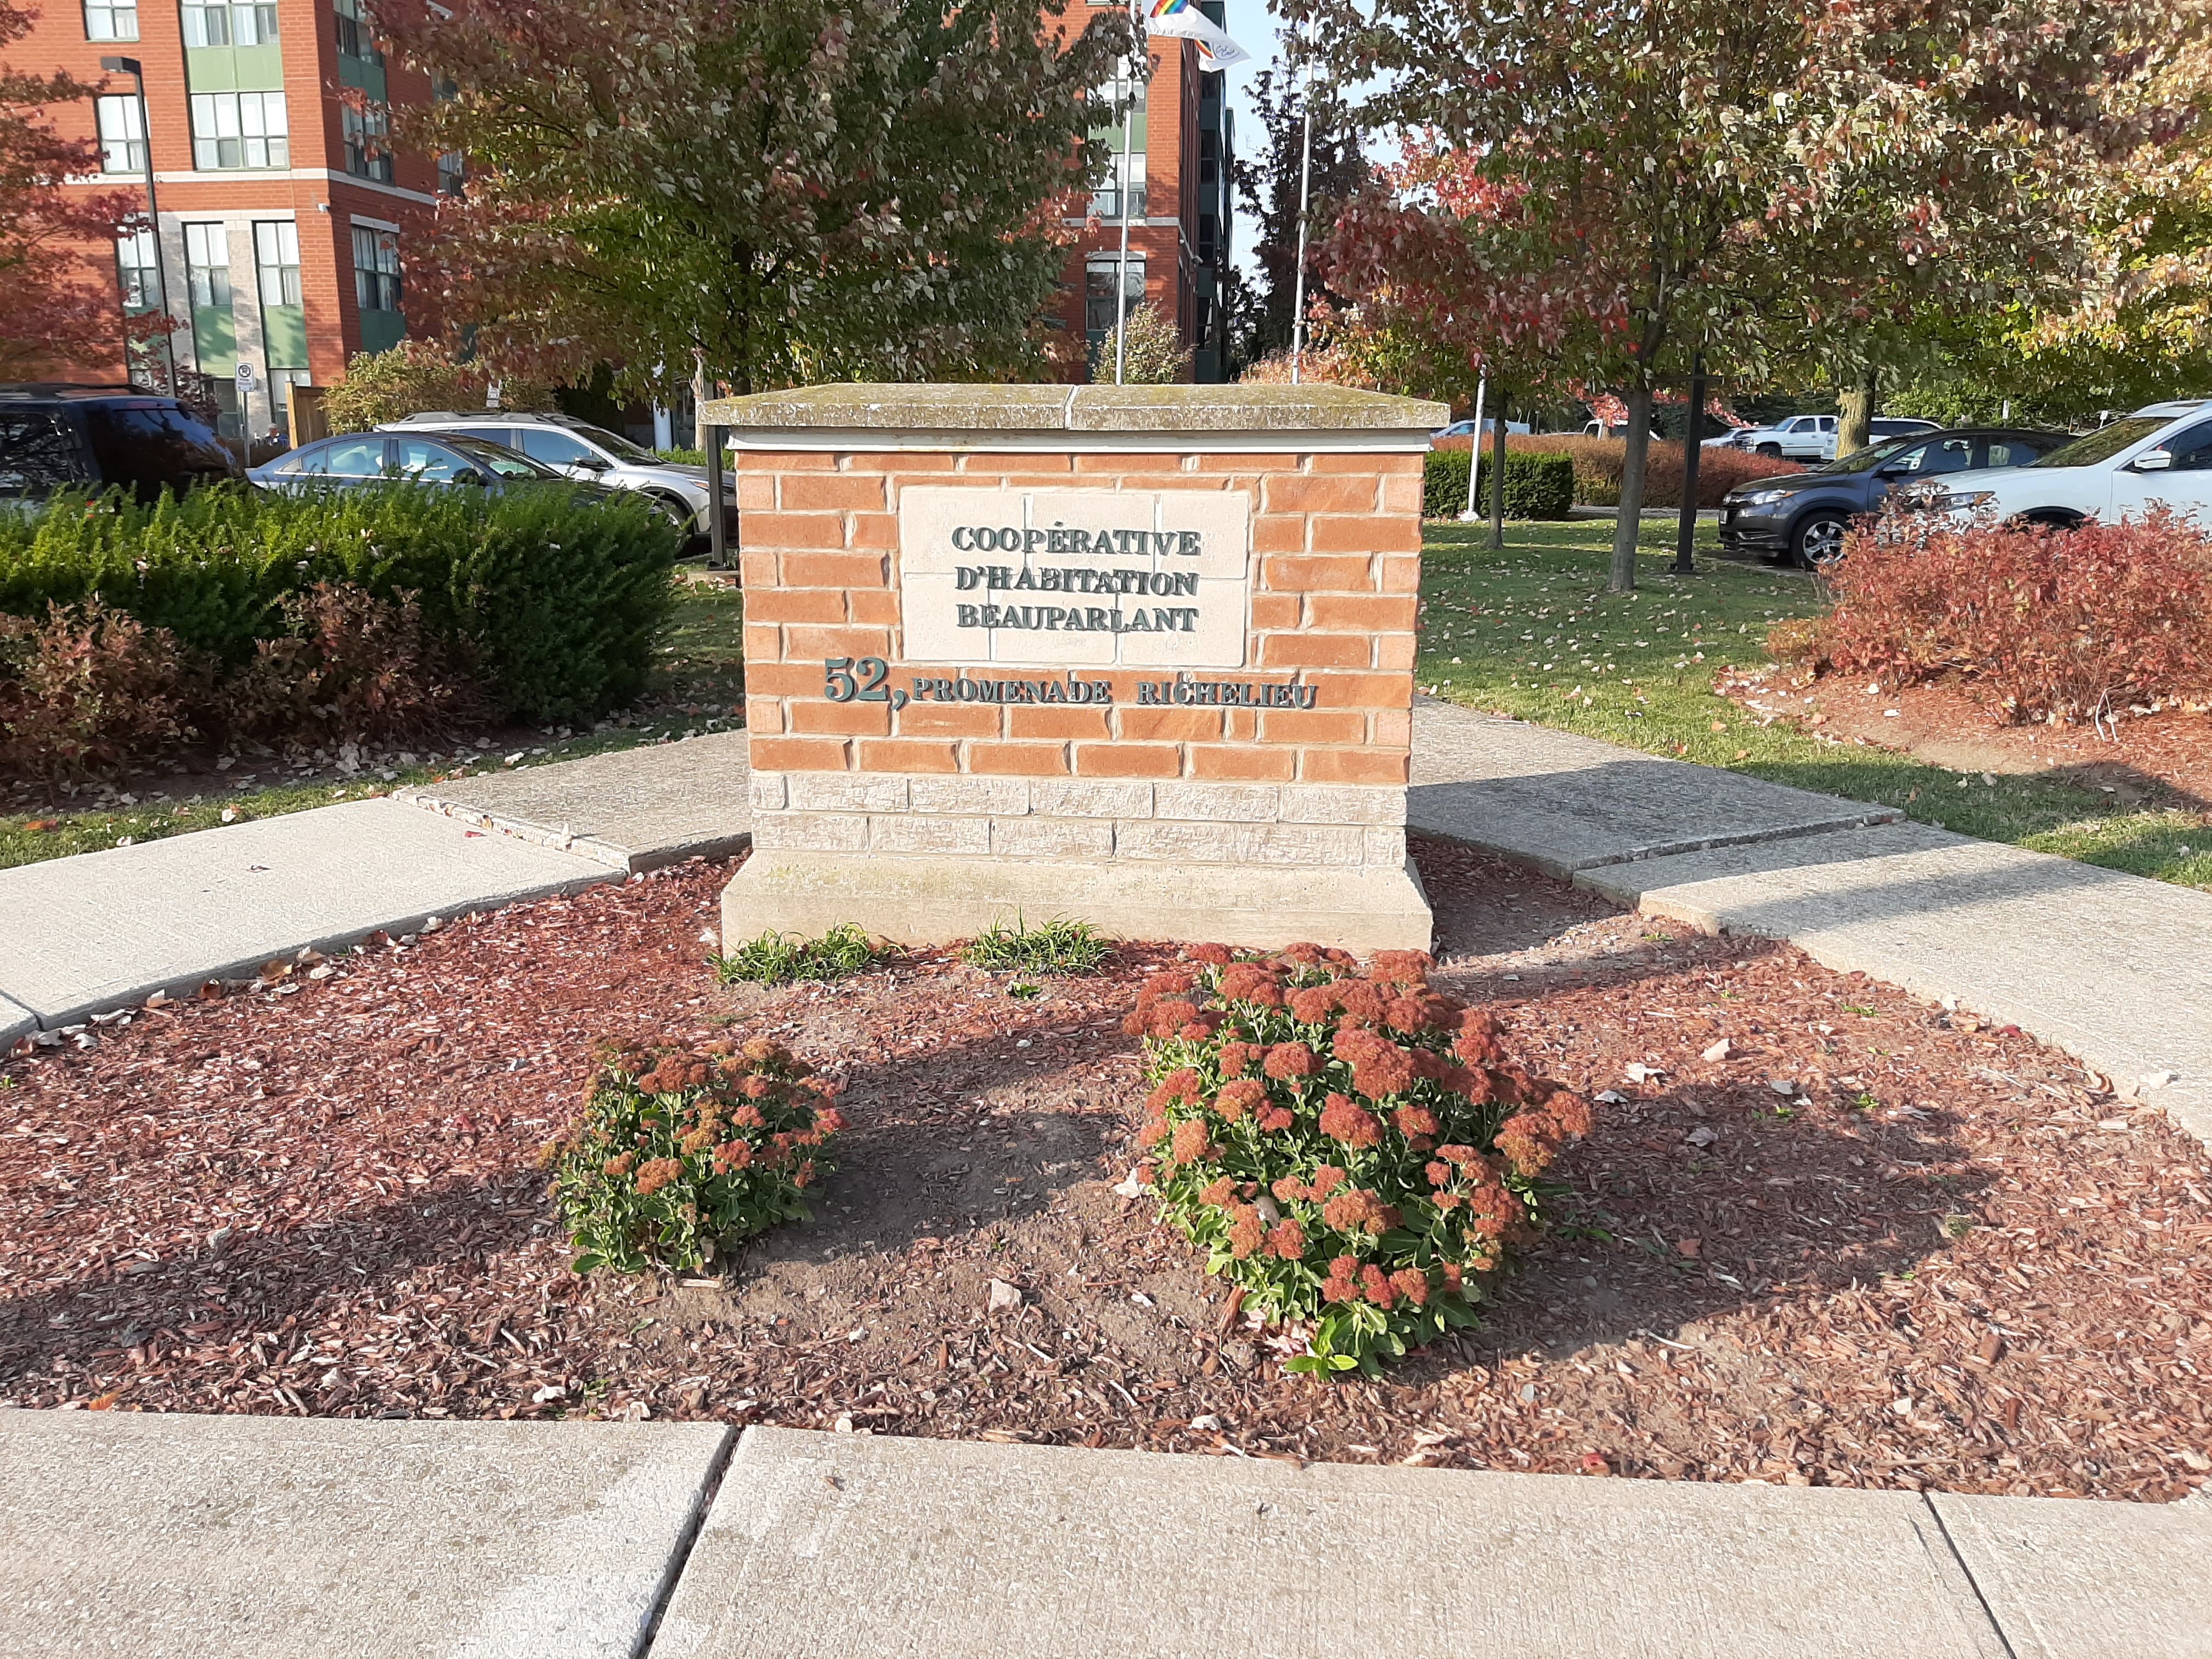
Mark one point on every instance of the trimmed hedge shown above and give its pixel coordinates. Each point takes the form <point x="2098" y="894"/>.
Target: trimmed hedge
<point x="1536" y="486"/>
<point x="557" y="597"/>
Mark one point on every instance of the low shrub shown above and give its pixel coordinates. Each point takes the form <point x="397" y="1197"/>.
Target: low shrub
<point x="354" y="668"/>
<point x="679" y="1152"/>
<point x="1060" y="946"/>
<point x="1536" y="486"/>
<point x="2037" y="623"/>
<point x="1351" y="1149"/>
<point x="776" y="958"/>
<point x="1598" y="462"/>
<point x="414" y="377"/>
<point x="89" y="691"/>
<point x="557" y="598"/>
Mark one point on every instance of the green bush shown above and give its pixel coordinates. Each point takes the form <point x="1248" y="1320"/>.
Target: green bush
<point x="680" y="1150"/>
<point x="1353" y="1150"/>
<point x="1060" y="946"/>
<point x="1536" y="486"/>
<point x="557" y="597"/>
<point x="776" y="958"/>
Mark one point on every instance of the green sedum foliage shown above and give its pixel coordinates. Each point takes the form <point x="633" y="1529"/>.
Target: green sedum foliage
<point x="557" y="596"/>
<point x="678" y="1151"/>
<point x="1353" y="1150"/>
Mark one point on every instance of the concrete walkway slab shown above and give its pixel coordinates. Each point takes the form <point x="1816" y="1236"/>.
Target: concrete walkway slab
<point x="101" y="930"/>
<point x="1564" y="803"/>
<point x="845" y="1546"/>
<point x="634" y="809"/>
<point x="177" y="1537"/>
<point x="2070" y="1579"/>
<point x="2112" y="968"/>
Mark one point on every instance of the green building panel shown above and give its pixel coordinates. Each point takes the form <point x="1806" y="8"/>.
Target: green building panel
<point x="284" y="336"/>
<point x="234" y="68"/>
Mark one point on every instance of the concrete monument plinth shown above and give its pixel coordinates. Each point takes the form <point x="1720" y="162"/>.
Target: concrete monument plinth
<point x="1138" y="655"/>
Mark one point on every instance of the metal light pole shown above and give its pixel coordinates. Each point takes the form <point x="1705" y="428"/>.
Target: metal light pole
<point x="132" y="67"/>
<point x="1305" y="192"/>
<point x="1475" y="445"/>
<point x="1686" y="526"/>
<point x="1140" y="64"/>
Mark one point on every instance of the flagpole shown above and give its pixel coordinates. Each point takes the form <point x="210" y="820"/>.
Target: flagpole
<point x="1474" y="444"/>
<point x="1305" y="188"/>
<point x="1137" y="56"/>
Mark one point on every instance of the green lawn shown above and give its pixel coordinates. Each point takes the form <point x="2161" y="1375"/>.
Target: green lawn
<point x="698" y="684"/>
<point x="1530" y="632"/>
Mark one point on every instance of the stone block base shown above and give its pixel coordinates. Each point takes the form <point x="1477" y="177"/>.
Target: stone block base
<point x="935" y="901"/>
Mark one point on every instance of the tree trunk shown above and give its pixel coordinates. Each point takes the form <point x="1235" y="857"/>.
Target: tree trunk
<point x="1622" y="579"/>
<point x="1855" y="431"/>
<point x="1497" y="476"/>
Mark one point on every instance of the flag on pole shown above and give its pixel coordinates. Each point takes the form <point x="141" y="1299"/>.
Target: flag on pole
<point x="1182" y="19"/>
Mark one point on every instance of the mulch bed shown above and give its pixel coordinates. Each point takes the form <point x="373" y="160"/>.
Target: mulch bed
<point x="1943" y="1257"/>
<point x="2157" y="760"/>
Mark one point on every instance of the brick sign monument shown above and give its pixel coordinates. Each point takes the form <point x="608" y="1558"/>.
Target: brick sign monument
<point x="1141" y="656"/>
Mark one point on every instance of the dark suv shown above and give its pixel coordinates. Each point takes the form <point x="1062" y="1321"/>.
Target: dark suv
<point x="91" y="437"/>
<point x="1804" y="515"/>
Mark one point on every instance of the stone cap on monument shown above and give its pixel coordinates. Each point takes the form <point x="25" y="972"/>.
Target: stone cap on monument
<point x="1321" y="415"/>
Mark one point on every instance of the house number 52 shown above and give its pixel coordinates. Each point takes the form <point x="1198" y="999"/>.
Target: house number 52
<point x="845" y="680"/>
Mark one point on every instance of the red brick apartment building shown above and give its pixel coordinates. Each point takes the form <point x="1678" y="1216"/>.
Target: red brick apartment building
<point x="280" y="247"/>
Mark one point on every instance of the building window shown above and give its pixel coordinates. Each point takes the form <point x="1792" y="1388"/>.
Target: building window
<point x="375" y="268"/>
<point x="122" y="135"/>
<point x="368" y="134"/>
<point x="1098" y="292"/>
<point x="277" y="261"/>
<point x="356" y="39"/>
<point x="240" y="130"/>
<point x="134" y="263"/>
<point x="230" y="25"/>
<point x="1126" y="96"/>
<point x="453" y="173"/>
<point x="207" y="266"/>
<point x="111" y="23"/>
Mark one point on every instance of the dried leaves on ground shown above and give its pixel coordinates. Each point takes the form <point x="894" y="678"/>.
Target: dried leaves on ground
<point x="1824" y="1232"/>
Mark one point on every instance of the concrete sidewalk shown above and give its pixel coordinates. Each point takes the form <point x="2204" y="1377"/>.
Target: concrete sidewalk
<point x="153" y="1536"/>
<point x="2115" y="968"/>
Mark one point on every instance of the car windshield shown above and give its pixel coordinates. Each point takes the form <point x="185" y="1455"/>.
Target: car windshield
<point x="1865" y="460"/>
<point x="2106" y="442"/>
<point x="497" y="457"/>
<point x="620" y="447"/>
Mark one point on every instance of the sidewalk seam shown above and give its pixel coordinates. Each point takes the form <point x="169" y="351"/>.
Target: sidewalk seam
<point x="1973" y="1583"/>
<point x="709" y="1489"/>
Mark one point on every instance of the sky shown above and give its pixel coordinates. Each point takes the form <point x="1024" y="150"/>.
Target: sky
<point x="1252" y="26"/>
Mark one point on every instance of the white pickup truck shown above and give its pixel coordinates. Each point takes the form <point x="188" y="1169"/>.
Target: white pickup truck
<point x="1813" y="437"/>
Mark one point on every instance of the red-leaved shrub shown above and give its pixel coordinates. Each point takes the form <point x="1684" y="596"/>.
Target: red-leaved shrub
<point x="353" y="668"/>
<point x="2040" y="624"/>
<point x="1353" y="1149"/>
<point x="90" y="691"/>
<point x="1599" y="463"/>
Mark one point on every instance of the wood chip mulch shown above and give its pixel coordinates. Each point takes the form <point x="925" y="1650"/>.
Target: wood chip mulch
<point x="1871" y="1242"/>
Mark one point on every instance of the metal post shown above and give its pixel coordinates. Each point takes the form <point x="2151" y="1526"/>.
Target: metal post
<point x="1475" y="445"/>
<point x="1305" y="192"/>
<point x="718" y="535"/>
<point x="1139" y="61"/>
<point x="132" y="67"/>
<point x="1499" y="425"/>
<point x="1685" y="531"/>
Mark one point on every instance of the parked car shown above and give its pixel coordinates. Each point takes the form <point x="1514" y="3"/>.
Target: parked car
<point x="2160" y="456"/>
<point x="1466" y="428"/>
<point x="357" y="459"/>
<point x="593" y="454"/>
<point x="90" y="437"/>
<point x="1803" y="517"/>
<point x="1605" y="428"/>
<point x="1813" y="437"/>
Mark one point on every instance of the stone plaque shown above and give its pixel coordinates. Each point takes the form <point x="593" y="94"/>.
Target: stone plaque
<point x="1091" y="578"/>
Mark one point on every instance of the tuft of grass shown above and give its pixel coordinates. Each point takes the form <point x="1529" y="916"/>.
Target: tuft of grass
<point x="776" y="958"/>
<point x="1058" y="946"/>
<point x="1531" y="632"/>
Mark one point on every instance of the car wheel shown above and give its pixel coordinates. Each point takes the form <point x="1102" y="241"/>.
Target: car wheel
<point x="1775" y="450"/>
<point x="2052" y="518"/>
<point x="1818" y="541"/>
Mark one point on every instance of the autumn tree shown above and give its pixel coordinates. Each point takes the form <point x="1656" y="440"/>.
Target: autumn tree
<point x="1268" y="179"/>
<point x="65" y="308"/>
<point x="766" y="192"/>
<point x="1620" y="187"/>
